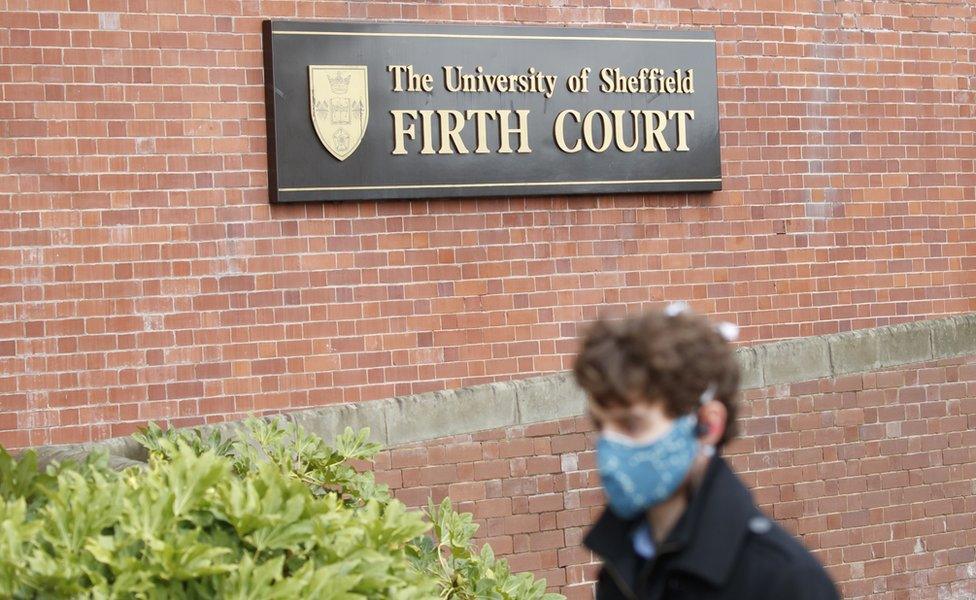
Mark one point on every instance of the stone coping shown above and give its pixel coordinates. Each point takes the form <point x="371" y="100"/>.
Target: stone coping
<point x="422" y="417"/>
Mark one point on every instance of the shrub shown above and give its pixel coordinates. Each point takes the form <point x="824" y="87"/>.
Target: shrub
<point x="273" y="512"/>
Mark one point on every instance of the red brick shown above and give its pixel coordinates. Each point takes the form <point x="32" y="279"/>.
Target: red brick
<point x="513" y="524"/>
<point x="887" y="496"/>
<point x="494" y="469"/>
<point x="144" y="269"/>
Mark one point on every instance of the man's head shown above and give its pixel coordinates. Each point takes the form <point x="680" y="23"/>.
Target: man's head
<point x="662" y="391"/>
<point x="643" y="372"/>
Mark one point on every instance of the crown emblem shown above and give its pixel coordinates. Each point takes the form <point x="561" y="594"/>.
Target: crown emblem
<point x="339" y="83"/>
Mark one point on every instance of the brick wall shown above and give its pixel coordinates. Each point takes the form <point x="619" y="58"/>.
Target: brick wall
<point x="143" y="274"/>
<point x="874" y="472"/>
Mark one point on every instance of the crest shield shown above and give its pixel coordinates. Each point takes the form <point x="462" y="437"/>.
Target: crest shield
<point x="340" y="106"/>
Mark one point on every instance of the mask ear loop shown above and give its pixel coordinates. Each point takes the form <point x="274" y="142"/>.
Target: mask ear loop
<point x="707" y="396"/>
<point x="730" y="333"/>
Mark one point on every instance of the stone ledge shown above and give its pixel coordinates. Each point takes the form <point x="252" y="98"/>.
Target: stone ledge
<point x="421" y="417"/>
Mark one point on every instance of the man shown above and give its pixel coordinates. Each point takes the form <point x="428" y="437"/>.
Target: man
<point x="679" y="523"/>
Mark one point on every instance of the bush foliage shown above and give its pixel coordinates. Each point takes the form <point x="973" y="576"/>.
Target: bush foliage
<point x="273" y="512"/>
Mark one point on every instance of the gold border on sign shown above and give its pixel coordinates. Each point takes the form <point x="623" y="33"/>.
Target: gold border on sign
<point x="486" y="36"/>
<point x="348" y="188"/>
<point x="491" y="37"/>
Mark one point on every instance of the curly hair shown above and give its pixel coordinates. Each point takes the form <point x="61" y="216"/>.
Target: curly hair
<point x="656" y="357"/>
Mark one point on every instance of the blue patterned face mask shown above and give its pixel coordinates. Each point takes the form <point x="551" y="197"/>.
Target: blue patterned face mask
<point x="638" y="476"/>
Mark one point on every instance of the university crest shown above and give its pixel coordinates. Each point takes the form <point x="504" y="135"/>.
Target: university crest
<point x="340" y="106"/>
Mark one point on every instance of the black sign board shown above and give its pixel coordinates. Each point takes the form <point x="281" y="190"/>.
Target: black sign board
<point x="370" y="111"/>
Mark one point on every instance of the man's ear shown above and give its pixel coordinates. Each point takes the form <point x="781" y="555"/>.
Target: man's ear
<point x="712" y="417"/>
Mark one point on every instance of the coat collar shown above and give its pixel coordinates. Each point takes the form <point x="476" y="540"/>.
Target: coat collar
<point x="707" y="537"/>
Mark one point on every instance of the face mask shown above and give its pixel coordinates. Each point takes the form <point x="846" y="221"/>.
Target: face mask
<point x="637" y="476"/>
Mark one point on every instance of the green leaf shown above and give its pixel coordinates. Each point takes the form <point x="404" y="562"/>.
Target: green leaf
<point x="21" y="479"/>
<point x="356" y="445"/>
<point x="272" y="512"/>
<point x="16" y="533"/>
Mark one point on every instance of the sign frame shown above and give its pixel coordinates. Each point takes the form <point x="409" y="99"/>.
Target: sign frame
<point x="282" y="190"/>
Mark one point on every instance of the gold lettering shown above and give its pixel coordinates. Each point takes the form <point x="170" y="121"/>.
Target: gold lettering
<point x="451" y="134"/>
<point x="470" y="83"/>
<point x="606" y="76"/>
<point x="682" y="127"/>
<point x="400" y="132"/>
<point x="654" y="78"/>
<point x="645" y="81"/>
<point x="481" y="128"/>
<point x="505" y="130"/>
<point x="551" y="85"/>
<point x="655" y="132"/>
<point x="560" y="134"/>
<point x="415" y="82"/>
<point x="618" y="130"/>
<point x="426" y="117"/>
<point x="688" y="82"/>
<point x="588" y="130"/>
<point x="397" y="71"/>
<point x="449" y="83"/>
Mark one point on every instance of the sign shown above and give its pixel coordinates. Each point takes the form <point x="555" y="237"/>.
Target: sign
<point x="373" y="111"/>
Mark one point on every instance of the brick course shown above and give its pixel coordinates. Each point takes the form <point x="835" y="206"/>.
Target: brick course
<point x="144" y="276"/>
<point x="874" y="472"/>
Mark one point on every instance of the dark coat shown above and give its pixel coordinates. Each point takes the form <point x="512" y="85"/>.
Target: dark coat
<point x="721" y="548"/>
